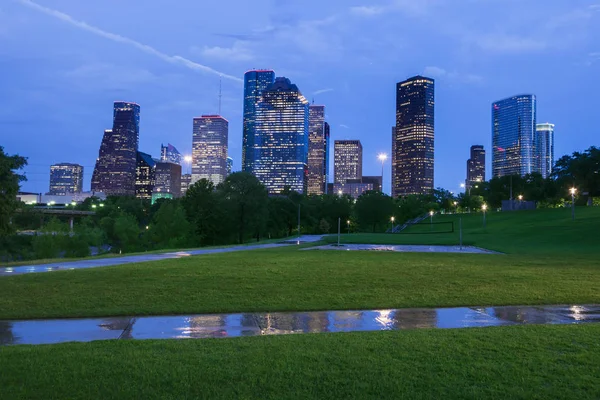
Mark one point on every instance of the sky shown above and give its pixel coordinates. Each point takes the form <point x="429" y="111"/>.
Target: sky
<point x="64" y="62"/>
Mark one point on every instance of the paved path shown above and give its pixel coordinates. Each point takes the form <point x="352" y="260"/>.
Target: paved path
<point x="406" y="248"/>
<point x="256" y="324"/>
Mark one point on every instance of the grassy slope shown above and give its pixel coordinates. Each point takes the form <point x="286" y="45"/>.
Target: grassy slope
<point x="543" y="362"/>
<point x="523" y="232"/>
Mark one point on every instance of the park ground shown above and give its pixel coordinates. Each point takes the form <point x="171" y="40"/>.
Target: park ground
<point x="548" y="259"/>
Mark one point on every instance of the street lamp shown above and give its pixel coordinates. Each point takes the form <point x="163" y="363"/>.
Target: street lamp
<point x="340" y="192"/>
<point x="93" y="206"/>
<point x="456" y="206"/>
<point x="348" y="226"/>
<point x="392" y="219"/>
<point x="431" y="216"/>
<point x="188" y="161"/>
<point x="573" y="191"/>
<point x="382" y="157"/>
<point x="101" y="204"/>
<point x="520" y="197"/>
<point x="484" y="208"/>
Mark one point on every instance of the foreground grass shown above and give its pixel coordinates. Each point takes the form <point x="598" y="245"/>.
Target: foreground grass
<point x="289" y="279"/>
<point x="522" y="362"/>
<point x="544" y="231"/>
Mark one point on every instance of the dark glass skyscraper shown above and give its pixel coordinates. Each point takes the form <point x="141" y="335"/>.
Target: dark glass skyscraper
<point x="168" y="178"/>
<point x="255" y="82"/>
<point x="475" y="166"/>
<point x="114" y="173"/>
<point x="169" y="153"/>
<point x="280" y="149"/>
<point x="514" y="136"/>
<point x="65" y="178"/>
<point x="347" y="161"/>
<point x="145" y="175"/>
<point x="545" y="148"/>
<point x="413" y="142"/>
<point x="317" y="143"/>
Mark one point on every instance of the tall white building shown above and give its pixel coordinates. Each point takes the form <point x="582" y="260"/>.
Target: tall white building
<point x="209" y="148"/>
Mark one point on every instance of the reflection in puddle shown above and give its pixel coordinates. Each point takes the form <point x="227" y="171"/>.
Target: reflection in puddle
<point x="256" y="324"/>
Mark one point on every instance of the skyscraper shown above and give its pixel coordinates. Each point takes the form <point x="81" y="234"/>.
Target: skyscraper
<point x="255" y="82"/>
<point x="280" y="149"/>
<point x="229" y="165"/>
<point x="169" y="153"/>
<point x="145" y="177"/>
<point x="186" y="181"/>
<point x="115" y="170"/>
<point x="327" y="146"/>
<point x="168" y="178"/>
<point x="513" y="136"/>
<point x="545" y="148"/>
<point x="413" y="143"/>
<point x="347" y="161"/>
<point x="209" y="148"/>
<point x="475" y="166"/>
<point x="317" y="154"/>
<point x="65" y="178"/>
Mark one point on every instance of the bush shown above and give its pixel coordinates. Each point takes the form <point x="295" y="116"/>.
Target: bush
<point x="47" y="245"/>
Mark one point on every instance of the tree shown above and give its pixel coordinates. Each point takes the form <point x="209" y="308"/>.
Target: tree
<point x="246" y="201"/>
<point x="9" y="187"/>
<point x="127" y="232"/>
<point x="324" y="226"/>
<point x="204" y="208"/>
<point x="581" y="170"/>
<point x="170" y="227"/>
<point x="373" y="209"/>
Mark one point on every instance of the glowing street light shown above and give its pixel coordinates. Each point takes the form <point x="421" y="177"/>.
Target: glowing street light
<point x="456" y="206"/>
<point x="484" y="208"/>
<point x="392" y="220"/>
<point x="348" y="222"/>
<point x="520" y="197"/>
<point x="188" y="161"/>
<point x="382" y="157"/>
<point x="340" y="192"/>
<point x="101" y="204"/>
<point x="573" y="190"/>
<point x="93" y="206"/>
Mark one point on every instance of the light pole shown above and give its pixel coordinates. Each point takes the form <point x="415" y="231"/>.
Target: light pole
<point x="188" y="161"/>
<point x="573" y="191"/>
<point x="520" y="197"/>
<point x="456" y="206"/>
<point x="340" y="193"/>
<point x="382" y="157"/>
<point x="431" y="220"/>
<point x="392" y="220"/>
<point x="348" y="226"/>
<point x="484" y="208"/>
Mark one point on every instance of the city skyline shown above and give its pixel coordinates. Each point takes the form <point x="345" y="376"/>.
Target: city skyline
<point x="472" y="67"/>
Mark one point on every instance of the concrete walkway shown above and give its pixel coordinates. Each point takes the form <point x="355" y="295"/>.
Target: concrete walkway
<point x="281" y="323"/>
<point x="406" y="248"/>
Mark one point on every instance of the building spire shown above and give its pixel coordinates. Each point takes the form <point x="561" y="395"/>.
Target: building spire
<point x="220" y="95"/>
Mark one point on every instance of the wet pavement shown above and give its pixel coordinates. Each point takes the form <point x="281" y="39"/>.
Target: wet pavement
<point x="257" y="324"/>
<point x="406" y="248"/>
<point x="105" y="262"/>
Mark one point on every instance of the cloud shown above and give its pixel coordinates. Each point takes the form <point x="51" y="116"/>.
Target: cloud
<point x="441" y="73"/>
<point x="238" y="52"/>
<point x="366" y="11"/>
<point x="178" y="60"/>
<point x="344" y="126"/>
<point x="321" y="91"/>
<point x="505" y="43"/>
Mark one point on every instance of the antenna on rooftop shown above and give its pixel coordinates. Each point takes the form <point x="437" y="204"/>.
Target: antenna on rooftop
<point x="220" y="95"/>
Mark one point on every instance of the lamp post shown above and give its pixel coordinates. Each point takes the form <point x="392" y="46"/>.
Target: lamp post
<point x="340" y="193"/>
<point x="456" y="206"/>
<point x="484" y="208"/>
<point x="573" y="191"/>
<point x="188" y="161"/>
<point x="382" y="157"/>
<point x="348" y="226"/>
<point x="392" y="220"/>
<point x="431" y="219"/>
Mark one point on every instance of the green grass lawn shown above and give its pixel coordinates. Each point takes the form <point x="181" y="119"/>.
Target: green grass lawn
<point x="545" y="231"/>
<point x="522" y="362"/>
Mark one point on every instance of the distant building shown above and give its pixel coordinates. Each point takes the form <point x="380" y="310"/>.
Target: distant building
<point x="255" y="82"/>
<point x="186" y="181"/>
<point x="229" y="165"/>
<point x="160" y="195"/>
<point x="330" y="188"/>
<point x="169" y="153"/>
<point x="209" y="148"/>
<point x="280" y="148"/>
<point x="375" y="182"/>
<point x="115" y="170"/>
<point x="168" y="178"/>
<point x="317" y="150"/>
<point x="475" y="166"/>
<point x="353" y="187"/>
<point x="327" y="155"/>
<point x="347" y="162"/>
<point x="513" y="136"/>
<point x="413" y="137"/>
<point x="145" y="176"/>
<point x="545" y="148"/>
<point x="66" y="199"/>
<point x="65" y="178"/>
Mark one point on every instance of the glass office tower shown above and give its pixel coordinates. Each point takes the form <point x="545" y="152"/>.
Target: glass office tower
<point x="280" y="149"/>
<point x="514" y="136"/>
<point x="145" y="176"/>
<point x="209" y="148"/>
<point x="114" y="173"/>
<point x="545" y="148"/>
<point x="169" y="153"/>
<point x="65" y="178"/>
<point x="255" y="82"/>
<point x="347" y="161"/>
<point x="475" y="166"/>
<point x="413" y="137"/>
<point x="317" y="164"/>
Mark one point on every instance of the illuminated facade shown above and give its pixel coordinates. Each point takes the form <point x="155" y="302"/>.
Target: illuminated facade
<point x="145" y="176"/>
<point x="545" y="148"/>
<point x="209" y="148"/>
<point x="280" y="148"/>
<point x="327" y="155"/>
<point x="347" y="160"/>
<point x="169" y="153"/>
<point x="255" y="82"/>
<point x="353" y="188"/>
<point x="375" y="181"/>
<point x="229" y="165"/>
<point x="65" y="179"/>
<point x="186" y="181"/>
<point x="514" y="136"/>
<point x="475" y="166"/>
<point x="413" y="137"/>
<point x="168" y="178"/>
<point x="317" y="150"/>
<point x="115" y="170"/>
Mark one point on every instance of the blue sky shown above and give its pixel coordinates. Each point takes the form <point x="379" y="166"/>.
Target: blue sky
<point x="64" y="62"/>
